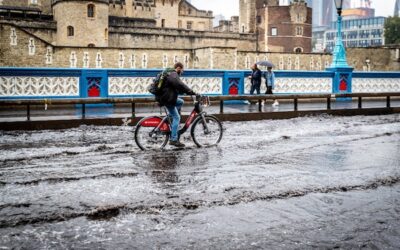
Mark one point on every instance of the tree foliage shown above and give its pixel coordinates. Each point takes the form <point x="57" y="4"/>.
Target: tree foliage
<point x="392" y="30"/>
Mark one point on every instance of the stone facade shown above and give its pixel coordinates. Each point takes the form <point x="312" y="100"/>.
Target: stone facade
<point x="126" y="39"/>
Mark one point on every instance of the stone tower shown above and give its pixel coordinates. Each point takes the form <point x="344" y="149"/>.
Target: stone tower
<point x="81" y="23"/>
<point x="248" y="13"/>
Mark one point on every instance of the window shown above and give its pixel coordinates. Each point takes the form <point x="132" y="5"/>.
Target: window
<point x="259" y="20"/>
<point x="91" y="45"/>
<point x="73" y="60"/>
<point x="299" y="31"/>
<point x="121" y="60"/>
<point x="133" y="61"/>
<point x="70" y="31"/>
<point x="13" y="37"/>
<point x="99" y="61"/>
<point x="49" y="55"/>
<point x="189" y="25"/>
<point x="274" y="31"/>
<point x="298" y="50"/>
<point x="144" y="61"/>
<point x="31" y="47"/>
<point x="106" y="34"/>
<point x="162" y="23"/>
<point x="86" y="60"/>
<point x="299" y="18"/>
<point x="90" y="10"/>
<point x="242" y="28"/>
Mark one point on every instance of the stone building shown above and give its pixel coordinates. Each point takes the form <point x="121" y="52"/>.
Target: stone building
<point x="278" y="28"/>
<point x="145" y="34"/>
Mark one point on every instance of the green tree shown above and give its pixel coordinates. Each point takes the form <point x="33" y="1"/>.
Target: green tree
<point x="392" y="30"/>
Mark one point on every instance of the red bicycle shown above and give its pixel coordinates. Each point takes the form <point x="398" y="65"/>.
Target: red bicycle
<point x="206" y="130"/>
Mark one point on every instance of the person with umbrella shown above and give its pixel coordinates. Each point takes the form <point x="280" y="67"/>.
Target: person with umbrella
<point x="269" y="79"/>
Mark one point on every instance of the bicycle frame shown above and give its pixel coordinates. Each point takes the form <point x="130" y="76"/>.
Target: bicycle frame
<point x="164" y="124"/>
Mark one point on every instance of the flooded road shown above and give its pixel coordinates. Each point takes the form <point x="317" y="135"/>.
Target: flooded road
<point x="314" y="182"/>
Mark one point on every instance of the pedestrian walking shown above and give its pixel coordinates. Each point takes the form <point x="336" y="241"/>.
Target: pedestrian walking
<point x="270" y="83"/>
<point x="255" y="79"/>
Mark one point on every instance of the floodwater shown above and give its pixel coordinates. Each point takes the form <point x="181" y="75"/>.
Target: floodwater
<point x="315" y="182"/>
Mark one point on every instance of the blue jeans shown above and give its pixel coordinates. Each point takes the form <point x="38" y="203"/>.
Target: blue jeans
<point x="255" y="87"/>
<point x="173" y="111"/>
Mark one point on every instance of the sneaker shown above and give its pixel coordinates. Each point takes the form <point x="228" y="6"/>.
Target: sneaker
<point x="177" y="144"/>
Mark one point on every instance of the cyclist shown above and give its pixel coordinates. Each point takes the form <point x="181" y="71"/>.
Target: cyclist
<point x="169" y="98"/>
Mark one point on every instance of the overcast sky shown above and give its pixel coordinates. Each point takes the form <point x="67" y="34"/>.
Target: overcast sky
<point x="230" y="8"/>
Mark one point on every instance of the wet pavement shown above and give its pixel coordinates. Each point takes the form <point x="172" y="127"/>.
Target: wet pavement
<point x="315" y="182"/>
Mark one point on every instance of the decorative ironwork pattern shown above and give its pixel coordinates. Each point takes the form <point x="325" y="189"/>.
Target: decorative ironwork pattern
<point x="39" y="86"/>
<point x="138" y="85"/>
<point x="375" y="85"/>
<point x="296" y="85"/>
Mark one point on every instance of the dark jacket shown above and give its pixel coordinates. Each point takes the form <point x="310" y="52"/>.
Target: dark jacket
<point x="256" y="77"/>
<point x="172" y="88"/>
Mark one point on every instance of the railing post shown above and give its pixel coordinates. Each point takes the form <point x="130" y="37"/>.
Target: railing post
<point x="387" y="101"/>
<point x="328" y="103"/>
<point x="28" y="112"/>
<point x="260" y="105"/>
<point x="83" y="111"/>
<point x="133" y="110"/>
<point x="295" y="104"/>
<point x="221" y="106"/>
<point x="360" y="102"/>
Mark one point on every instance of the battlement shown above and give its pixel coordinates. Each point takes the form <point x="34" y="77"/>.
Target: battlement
<point x="54" y="2"/>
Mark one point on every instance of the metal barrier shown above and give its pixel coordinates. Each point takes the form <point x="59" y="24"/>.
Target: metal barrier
<point x="135" y="100"/>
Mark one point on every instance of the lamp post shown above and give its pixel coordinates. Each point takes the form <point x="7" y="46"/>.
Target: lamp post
<point x="339" y="53"/>
<point x="342" y="79"/>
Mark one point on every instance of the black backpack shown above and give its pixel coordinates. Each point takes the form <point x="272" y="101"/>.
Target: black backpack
<point x="156" y="87"/>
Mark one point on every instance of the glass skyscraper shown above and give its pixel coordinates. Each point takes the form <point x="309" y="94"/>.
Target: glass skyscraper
<point x="324" y="12"/>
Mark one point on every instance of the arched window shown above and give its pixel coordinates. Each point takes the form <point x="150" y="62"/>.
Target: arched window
<point x="91" y="45"/>
<point x="298" y="50"/>
<point x="90" y="10"/>
<point x="70" y="31"/>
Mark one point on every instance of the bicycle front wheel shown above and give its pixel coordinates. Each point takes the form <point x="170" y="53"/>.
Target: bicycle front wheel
<point x="206" y="131"/>
<point x="148" y="138"/>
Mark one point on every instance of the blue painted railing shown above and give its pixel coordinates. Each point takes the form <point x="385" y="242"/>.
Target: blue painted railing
<point x="18" y="83"/>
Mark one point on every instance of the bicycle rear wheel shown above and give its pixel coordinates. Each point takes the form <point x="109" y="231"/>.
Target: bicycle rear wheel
<point x="206" y="132"/>
<point x="149" y="137"/>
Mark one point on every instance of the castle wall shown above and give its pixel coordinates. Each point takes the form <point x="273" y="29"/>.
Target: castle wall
<point x="177" y="39"/>
<point x="44" y="5"/>
<point x="45" y="30"/>
<point x="15" y="52"/>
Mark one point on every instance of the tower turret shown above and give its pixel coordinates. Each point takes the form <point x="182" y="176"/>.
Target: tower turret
<point x="81" y="22"/>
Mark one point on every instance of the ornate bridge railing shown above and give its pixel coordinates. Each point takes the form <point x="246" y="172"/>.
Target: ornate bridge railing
<point x="33" y="83"/>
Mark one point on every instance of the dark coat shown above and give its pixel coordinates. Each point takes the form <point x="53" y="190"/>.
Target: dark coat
<point x="172" y="88"/>
<point x="256" y="77"/>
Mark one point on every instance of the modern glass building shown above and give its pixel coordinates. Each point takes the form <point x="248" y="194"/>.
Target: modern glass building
<point x="357" y="33"/>
<point x="397" y="8"/>
<point x="324" y="12"/>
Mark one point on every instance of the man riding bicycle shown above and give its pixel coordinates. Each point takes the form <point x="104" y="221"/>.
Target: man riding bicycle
<point x="169" y="98"/>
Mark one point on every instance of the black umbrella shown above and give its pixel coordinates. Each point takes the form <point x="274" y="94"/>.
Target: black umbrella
<point x="266" y="64"/>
